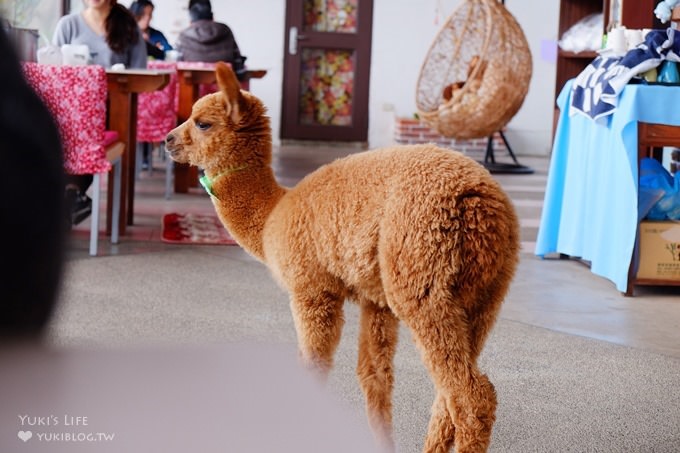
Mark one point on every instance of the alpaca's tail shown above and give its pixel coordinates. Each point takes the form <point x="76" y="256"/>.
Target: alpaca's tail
<point x="459" y="252"/>
<point x="490" y="237"/>
<point x="488" y="256"/>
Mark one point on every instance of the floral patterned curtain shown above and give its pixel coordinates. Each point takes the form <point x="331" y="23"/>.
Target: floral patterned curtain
<point x="327" y="76"/>
<point x="331" y="15"/>
<point x="326" y="84"/>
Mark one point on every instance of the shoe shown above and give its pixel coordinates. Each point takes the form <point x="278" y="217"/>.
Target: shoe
<point x="145" y="156"/>
<point x="79" y="205"/>
<point x="70" y="196"/>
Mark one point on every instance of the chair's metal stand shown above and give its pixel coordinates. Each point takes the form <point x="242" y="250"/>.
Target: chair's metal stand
<point x="499" y="167"/>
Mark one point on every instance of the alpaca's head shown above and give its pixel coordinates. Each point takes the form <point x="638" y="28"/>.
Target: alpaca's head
<point x="226" y="129"/>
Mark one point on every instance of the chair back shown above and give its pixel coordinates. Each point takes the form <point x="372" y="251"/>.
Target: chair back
<point x="76" y="97"/>
<point x="204" y="88"/>
<point x="157" y="110"/>
<point x="207" y="88"/>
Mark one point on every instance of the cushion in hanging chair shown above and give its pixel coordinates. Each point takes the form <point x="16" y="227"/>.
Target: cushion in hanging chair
<point x="476" y="73"/>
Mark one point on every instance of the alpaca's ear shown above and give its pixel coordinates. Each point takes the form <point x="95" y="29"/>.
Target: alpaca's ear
<point x="230" y="87"/>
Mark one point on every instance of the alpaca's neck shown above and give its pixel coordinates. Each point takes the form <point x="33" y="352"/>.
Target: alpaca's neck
<point x="244" y="197"/>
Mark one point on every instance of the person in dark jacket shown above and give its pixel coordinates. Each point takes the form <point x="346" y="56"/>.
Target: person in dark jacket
<point x="209" y="41"/>
<point x="156" y="43"/>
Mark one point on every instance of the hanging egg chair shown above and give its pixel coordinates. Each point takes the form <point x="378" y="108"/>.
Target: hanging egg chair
<point x="476" y="73"/>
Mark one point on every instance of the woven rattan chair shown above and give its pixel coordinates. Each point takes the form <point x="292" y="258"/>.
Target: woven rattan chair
<point x="476" y="73"/>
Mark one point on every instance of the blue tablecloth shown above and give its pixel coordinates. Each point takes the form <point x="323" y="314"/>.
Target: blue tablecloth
<point x="590" y="206"/>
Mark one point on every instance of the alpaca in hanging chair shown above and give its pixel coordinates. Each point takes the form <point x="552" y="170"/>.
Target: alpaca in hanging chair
<point x="476" y="73"/>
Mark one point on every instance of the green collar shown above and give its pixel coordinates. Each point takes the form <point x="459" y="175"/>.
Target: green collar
<point x="207" y="183"/>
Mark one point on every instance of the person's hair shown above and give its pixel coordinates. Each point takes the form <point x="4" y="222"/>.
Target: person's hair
<point x="200" y="10"/>
<point x="193" y="2"/>
<point x="121" y="28"/>
<point x="137" y="7"/>
<point x="34" y="224"/>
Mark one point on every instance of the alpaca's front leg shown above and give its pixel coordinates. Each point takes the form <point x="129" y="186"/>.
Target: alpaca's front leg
<point x="378" y="336"/>
<point x="319" y="318"/>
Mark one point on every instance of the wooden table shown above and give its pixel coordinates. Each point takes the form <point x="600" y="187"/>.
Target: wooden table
<point x="124" y="86"/>
<point x="191" y="77"/>
<point x="590" y="209"/>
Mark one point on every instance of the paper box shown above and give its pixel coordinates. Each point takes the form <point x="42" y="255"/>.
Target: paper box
<point x="659" y="250"/>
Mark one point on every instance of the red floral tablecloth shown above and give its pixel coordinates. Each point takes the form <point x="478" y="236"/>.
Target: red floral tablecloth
<point x="76" y="96"/>
<point x="157" y="110"/>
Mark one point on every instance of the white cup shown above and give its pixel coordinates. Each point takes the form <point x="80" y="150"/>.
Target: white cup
<point x="171" y="55"/>
<point x="50" y="55"/>
<point x="633" y="38"/>
<point x="75" y="54"/>
<point x="616" y="41"/>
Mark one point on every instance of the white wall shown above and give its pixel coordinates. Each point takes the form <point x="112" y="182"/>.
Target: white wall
<point x="403" y="31"/>
<point x="530" y="131"/>
<point x="258" y="26"/>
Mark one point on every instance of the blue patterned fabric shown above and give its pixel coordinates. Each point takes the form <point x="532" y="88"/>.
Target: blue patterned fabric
<point x="596" y="90"/>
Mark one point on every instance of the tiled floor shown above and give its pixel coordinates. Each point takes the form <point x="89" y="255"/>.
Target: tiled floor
<point x="556" y="294"/>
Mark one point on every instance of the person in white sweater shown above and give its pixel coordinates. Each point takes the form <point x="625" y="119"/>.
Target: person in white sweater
<point x="108" y="29"/>
<point x="111" y="33"/>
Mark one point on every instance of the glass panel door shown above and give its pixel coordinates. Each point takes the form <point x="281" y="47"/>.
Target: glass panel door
<point x="327" y="69"/>
<point x="326" y="86"/>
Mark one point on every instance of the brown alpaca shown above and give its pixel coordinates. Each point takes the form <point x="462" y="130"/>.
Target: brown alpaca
<point x="417" y="234"/>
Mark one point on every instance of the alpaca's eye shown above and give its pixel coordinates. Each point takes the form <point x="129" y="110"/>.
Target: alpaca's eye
<point x="202" y="126"/>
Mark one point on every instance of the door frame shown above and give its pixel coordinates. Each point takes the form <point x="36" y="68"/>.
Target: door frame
<point x="360" y="42"/>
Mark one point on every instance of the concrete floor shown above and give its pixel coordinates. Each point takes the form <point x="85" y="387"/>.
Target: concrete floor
<point x="561" y="295"/>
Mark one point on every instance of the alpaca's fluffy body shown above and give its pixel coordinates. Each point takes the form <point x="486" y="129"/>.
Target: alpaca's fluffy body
<point x="402" y="212"/>
<point x="416" y="234"/>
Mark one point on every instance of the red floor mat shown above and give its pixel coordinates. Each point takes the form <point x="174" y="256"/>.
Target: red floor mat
<point x="194" y="229"/>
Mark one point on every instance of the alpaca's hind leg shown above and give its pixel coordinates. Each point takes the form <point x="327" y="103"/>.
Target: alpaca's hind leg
<point x="442" y="335"/>
<point x="318" y="322"/>
<point x="474" y="413"/>
<point x="440" y="432"/>
<point x="378" y="336"/>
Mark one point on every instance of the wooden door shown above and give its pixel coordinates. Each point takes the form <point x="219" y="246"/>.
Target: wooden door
<point x="326" y="70"/>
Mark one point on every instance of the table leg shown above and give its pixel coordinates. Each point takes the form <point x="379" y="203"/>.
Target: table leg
<point x="132" y="155"/>
<point x="185" y="175"/>
<point x="123" y="119"/>
<point x="120" y="112"/>
<point x="182" y="178"/>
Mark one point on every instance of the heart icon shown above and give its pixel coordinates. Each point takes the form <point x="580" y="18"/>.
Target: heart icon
<point x="25" y="435"/>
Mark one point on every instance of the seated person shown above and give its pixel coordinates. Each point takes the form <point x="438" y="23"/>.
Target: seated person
<point x="209" y="41"/>
<point x="156" y="46"/>
<point x="156" y="43"/>
<point x="113" y="37"/>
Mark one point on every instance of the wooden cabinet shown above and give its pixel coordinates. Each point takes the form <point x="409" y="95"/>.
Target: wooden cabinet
<point x="570" y="64"/>
<point x="632" y="14"/>
<point x="651" y="137"/>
